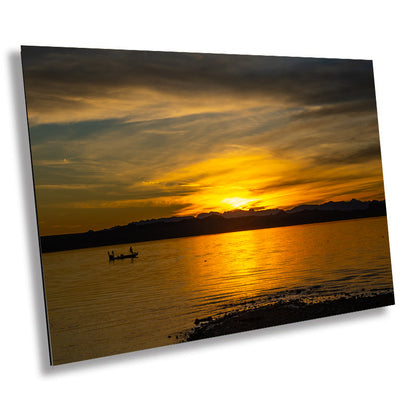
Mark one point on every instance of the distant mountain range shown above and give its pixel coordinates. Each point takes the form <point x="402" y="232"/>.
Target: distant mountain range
<point x="238" y="213"/>
<point x="214" y="223"/>
<point x="352" y="205"/>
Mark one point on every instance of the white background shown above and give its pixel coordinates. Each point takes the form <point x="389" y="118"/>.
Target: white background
<point x="356" y="364"/>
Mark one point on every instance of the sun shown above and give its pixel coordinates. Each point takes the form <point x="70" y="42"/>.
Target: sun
<point x="237" y="203"/>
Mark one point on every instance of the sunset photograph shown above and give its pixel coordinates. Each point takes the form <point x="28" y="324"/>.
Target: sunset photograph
<point x="183" y="196"/>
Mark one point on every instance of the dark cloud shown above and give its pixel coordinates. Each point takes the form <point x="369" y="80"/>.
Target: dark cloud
<point x="348" y="156"/>
<point x="350" y="108"/>
<point x="73" y="131"/>
<point x="323" y="134"/>
<point x="61" y="73"/>
<point x="308" y="177"/>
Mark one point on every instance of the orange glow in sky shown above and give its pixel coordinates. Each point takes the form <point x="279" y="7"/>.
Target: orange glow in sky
<point x="119" y="136"/>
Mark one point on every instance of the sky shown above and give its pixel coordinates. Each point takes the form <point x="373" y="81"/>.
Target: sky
<point x="120" y="136"/>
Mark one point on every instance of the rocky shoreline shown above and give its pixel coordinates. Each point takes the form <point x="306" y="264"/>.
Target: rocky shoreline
<point x="283" y="313"/>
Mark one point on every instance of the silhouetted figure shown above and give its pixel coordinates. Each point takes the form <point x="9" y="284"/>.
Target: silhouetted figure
<point x="132" y="255"/>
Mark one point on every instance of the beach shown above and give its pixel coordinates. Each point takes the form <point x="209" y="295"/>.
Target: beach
<point x="282" y="313"/>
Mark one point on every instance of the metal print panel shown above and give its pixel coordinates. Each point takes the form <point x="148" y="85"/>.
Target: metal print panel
<point x="182" y="196"/>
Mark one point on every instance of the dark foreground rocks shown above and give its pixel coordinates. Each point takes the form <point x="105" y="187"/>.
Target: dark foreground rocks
<point x="283" y="313"/>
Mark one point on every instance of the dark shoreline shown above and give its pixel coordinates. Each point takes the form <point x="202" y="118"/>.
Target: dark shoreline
<point x="283" y="313"/>
<point x="190" y="227"/>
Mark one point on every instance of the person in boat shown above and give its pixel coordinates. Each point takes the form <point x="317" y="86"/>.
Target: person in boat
<point x="131" y="250"/>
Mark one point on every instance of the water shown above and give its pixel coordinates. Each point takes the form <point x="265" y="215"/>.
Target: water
<point x="99" y="308"/>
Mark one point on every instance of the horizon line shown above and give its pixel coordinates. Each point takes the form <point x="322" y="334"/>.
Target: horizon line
<point x="213" y="213"/>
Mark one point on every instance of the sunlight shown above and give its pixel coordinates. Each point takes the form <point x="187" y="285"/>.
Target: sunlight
<point x="237" y="203"/>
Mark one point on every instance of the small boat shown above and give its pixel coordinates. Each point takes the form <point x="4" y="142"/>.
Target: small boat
<point x="132" y="255"/>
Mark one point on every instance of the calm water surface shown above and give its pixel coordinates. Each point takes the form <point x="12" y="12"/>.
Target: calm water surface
<point x="99" y="308"/>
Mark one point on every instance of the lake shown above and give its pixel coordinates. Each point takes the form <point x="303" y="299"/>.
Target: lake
<point x="98" y="308"/>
